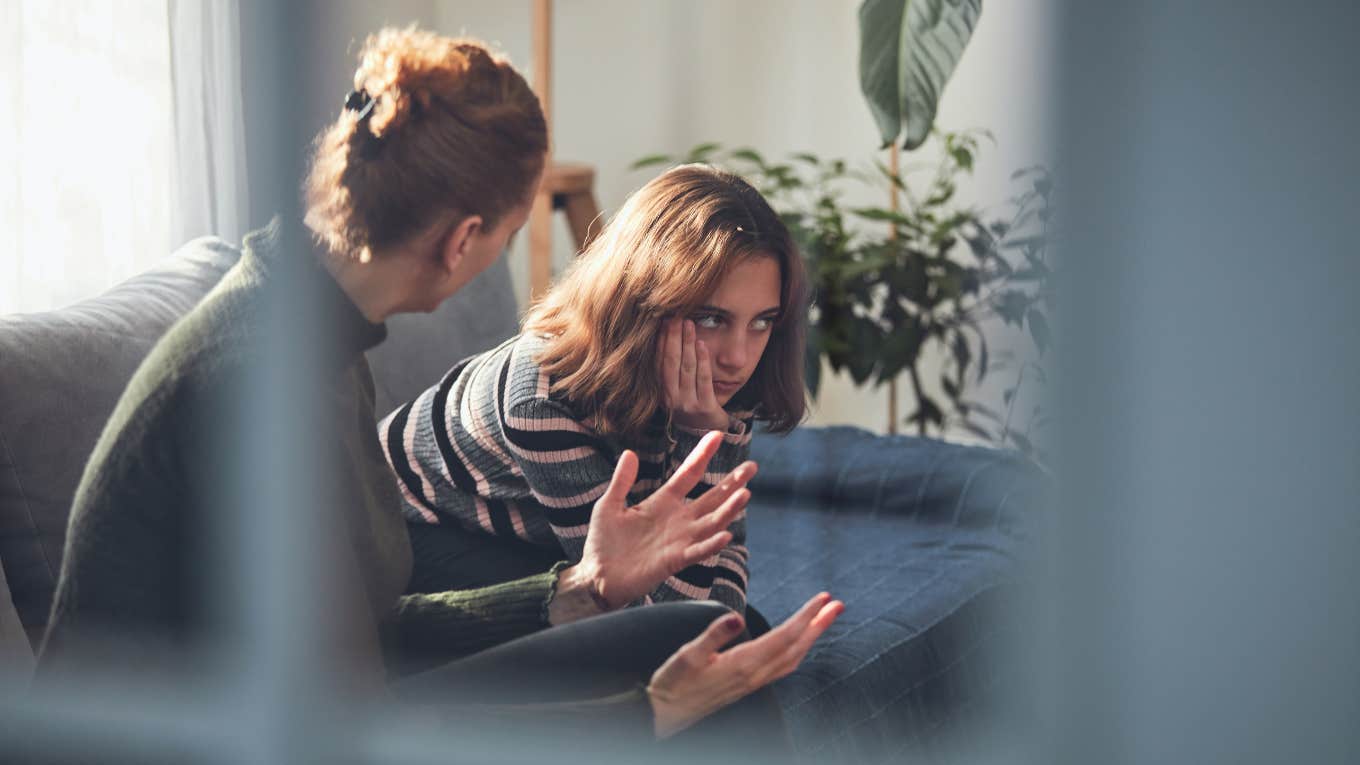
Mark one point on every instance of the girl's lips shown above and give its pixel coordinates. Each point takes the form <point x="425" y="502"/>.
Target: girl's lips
<point x="726" y="386"/>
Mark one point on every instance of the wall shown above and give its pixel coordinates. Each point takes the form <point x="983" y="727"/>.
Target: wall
<point x="632" y="79"/>
<point x="635" y="78"/>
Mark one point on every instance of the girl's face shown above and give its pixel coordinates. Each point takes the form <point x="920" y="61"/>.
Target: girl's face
<point x="735" y="322"/>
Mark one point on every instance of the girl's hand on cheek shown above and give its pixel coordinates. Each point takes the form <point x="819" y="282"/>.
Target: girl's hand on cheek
<point x="687" y="378"/>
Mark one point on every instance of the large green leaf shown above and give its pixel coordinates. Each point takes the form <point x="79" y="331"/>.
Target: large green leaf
<point x="907" y="51"/>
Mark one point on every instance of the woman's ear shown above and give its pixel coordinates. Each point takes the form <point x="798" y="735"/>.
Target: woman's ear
<point x="456" y="242"/>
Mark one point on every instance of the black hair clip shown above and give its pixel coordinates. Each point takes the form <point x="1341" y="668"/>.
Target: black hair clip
<point x="360" y="101"/>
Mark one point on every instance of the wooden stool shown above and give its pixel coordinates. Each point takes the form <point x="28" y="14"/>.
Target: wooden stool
<point x="570" y="188"/>
<point x="567" y="187"/>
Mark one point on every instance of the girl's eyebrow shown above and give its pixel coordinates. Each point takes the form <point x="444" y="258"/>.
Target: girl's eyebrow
<point x="724" y="312"/>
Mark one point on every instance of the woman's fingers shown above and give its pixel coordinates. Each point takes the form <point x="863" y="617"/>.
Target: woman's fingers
<point x="717" y="521"/>
<point x="829" y="613"/>
<point x="625" y="475"/>
<point x="691" y="471"/>
<point x="799" y="621"/>
<point x="772" y="649"/>
<point x="786" y="634"/>
<point x="781" y="649"/>
<point x="715" y="496"/>
<point x="722" y="631"/>
<point x="696" y="680"/>
<point x="724" y="515"/>
<point x="702" y="551"/>
<point x="802" y="643"/>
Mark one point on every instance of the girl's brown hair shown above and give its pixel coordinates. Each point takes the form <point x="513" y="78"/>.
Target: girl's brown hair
<point x="662" y="255"/>
<point x="453" y="131"/>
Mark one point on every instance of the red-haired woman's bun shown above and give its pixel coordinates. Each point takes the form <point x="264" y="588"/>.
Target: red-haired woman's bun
<point x="453" y="130"/>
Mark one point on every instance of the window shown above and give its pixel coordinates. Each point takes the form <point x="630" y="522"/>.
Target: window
<point x="86" y="145"/>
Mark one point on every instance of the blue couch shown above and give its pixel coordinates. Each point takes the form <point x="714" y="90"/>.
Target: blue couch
<point x="918" y="537"/>
<point x="921" y="539"/>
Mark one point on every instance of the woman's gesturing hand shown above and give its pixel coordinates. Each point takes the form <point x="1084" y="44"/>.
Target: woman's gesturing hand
<point x="697" y="680"/>
<point x="687" y="378"/>
<point x="630" y="550"/>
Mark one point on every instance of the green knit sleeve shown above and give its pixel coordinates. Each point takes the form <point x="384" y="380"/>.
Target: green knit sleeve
<point x="426" y="630"/>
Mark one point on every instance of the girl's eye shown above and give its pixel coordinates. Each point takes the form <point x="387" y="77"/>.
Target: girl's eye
<point x="707" y="322"/>
<point x="762" y="324"/>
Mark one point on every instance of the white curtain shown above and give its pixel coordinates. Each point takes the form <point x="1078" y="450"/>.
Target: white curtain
<point x="209" y="189"/>
<point x="120" y="138"/>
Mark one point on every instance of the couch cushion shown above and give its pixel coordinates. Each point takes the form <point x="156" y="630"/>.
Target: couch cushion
<point x="63" y="372"/>
<point x="420" y="348"/>
<point x="918" y="537"/>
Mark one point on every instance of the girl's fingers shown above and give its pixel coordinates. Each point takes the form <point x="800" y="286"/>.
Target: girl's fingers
<point x="670" y="359"/>
<point x="703" y="378"/>
<point x="688" y="363"/>
<point x="661" y="361"/>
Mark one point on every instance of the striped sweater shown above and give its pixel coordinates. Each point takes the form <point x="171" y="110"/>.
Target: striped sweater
<point x="491" y="448"/>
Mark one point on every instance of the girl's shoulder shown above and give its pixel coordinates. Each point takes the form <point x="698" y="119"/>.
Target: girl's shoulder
<point x="529" y="389"/>
<point x="525" y="380"/>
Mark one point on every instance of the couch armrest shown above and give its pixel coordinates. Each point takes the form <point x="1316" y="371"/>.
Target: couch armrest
<point x="850" y="470"/>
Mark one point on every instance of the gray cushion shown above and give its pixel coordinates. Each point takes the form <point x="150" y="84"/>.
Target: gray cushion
<point x="64" y="370"/>
<point x="420" y="348"/>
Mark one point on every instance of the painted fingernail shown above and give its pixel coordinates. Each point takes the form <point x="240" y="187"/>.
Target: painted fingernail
<point x="731" y="623"/>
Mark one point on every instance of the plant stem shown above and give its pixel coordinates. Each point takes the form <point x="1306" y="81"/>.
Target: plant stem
<point x="1015" y="396"/>
<point x="892" y="407"/>
<point x="893" y="164"/>
<point x="916" y="390"/>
